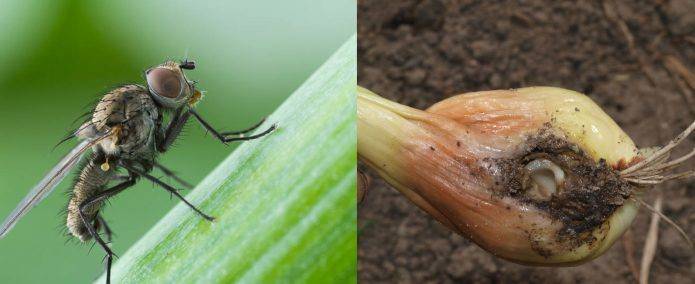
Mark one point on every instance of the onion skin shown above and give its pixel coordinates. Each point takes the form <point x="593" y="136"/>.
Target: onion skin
<point x="433" y="157"/>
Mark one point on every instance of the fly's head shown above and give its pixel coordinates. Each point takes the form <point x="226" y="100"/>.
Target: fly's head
<point x="168" y="84"/>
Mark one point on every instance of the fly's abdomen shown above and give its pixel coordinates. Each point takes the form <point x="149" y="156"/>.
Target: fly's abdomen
<point x="91" y="180"/>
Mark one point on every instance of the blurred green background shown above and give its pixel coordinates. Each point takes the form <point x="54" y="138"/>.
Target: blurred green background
<point x="57" y="57"/>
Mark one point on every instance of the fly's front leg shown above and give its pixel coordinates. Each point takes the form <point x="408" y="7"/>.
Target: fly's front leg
<point x="168" y="188"/>
<point x="173" y="130"/>
<point x="241" y="133"/>
<point x="96" y="199"/>
<point x="227" y="137"/>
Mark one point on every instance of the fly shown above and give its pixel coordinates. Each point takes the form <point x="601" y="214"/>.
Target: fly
<point x="122" y="139"/>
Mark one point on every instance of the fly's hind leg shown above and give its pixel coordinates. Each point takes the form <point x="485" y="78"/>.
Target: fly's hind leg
<point x="101" y="223"/>
<point x="92" y="232"/>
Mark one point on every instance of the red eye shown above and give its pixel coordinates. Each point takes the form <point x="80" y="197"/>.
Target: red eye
<point x="164" y="82"/>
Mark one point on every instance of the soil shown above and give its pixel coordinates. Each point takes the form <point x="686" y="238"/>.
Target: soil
<point x="420" y="52"/>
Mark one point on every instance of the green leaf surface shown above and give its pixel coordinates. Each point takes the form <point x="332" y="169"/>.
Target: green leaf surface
<point x="285" y="203"/>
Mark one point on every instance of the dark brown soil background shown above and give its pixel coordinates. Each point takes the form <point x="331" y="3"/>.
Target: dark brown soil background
<point x="420" y="52"/>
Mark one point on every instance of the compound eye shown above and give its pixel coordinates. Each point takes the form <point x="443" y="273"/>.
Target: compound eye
<point x="164" y="82"/>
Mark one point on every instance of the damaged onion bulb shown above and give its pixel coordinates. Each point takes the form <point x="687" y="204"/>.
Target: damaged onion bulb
<point x="538" y="176"/>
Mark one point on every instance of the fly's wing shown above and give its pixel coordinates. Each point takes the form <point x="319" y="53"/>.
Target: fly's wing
<point x="48" y="183"/>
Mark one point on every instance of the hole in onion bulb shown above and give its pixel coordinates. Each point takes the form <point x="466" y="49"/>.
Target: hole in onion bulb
<point x="544" y="178"/>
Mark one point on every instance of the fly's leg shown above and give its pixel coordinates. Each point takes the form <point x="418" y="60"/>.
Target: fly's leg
<point x="96" y="199"/>
<point x="244" y="131"/>
<point x="168" y="188"/>
<point x="171" y="174"/>
<point x="227" y="137"/>
<point x="121" y="177"/>
<point x="107" y="229"/>
<point x="178" y="120"/>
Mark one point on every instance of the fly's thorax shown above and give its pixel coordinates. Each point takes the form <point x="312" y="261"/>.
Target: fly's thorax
<point x="114" y="106"/>
<point x="137" y="139"/>
<point x="130" y="113"/>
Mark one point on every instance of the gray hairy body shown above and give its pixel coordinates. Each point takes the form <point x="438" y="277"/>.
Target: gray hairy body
<point x="132" y="115"/>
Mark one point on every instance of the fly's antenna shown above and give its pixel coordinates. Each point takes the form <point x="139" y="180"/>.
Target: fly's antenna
<point x="185" y="63"/>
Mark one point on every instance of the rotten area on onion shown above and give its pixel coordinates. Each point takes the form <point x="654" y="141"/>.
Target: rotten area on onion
<point x="582" y="197"/>
<point x="557" y="177"/>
